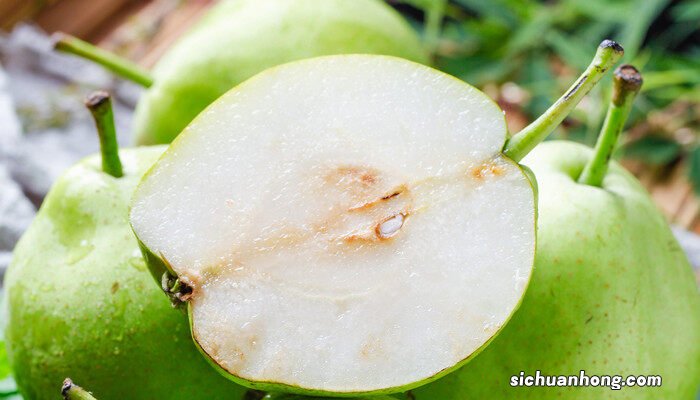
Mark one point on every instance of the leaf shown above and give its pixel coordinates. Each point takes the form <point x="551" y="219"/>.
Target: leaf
<point x="574" y="53"/>
<point x="660" y="79"/>
<point x="694" y="168"/>
<point x="502" y="12"/>
<point x="687" y="11"/>
<point x="653" y="149"/>
<point x="637" y="25"/>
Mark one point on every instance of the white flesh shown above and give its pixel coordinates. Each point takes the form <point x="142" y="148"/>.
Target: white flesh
<point x="347" y="224"/>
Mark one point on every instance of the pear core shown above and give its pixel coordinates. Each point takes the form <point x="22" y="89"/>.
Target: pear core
<point x="346" y="224"/>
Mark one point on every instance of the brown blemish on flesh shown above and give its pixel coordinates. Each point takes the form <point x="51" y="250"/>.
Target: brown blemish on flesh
<point x="230" y="354"/>
<point x="377" y="201"/>
<point x="350" y="175"/>
<point x="396" y="193"/>
<point x="480" y="172"/>
<point x="238" y="360"/>
<point x="371" y="348"/>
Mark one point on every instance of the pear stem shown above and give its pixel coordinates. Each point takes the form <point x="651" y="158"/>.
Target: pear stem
<point x="520" y="144"/>
<point x="71" y="391"/>
<point x="626" y="85"/>
<point x="122" y="67"/>
<point x="100" y="105"/>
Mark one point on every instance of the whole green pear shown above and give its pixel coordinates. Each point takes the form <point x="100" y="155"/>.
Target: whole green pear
<point x="239" y="38"/>
<point x="81" y="303"/>
<point x="612" y="293"/>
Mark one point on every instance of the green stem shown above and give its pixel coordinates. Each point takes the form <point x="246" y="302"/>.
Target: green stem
<point x="71" y="391"/>
<point x="524" y="141"/>
<point x="100" y="105"/>
<point x="126" y="69"/>
<point x="626" y="85"/>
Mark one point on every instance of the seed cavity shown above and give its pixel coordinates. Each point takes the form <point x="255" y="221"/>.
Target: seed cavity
<point x="390" y="226"/>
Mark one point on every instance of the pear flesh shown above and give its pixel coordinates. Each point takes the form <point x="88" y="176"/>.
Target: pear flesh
<point x="345" y="224"/>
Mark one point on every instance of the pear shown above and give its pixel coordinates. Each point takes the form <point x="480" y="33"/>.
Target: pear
<point x="239" y="38"/>
<point x="81" y="302"/>
<point x="612" y="292"/>
<point x="346" y="225"/>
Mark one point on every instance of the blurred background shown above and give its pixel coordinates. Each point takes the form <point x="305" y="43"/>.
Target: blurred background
<point x="522" y="53"/>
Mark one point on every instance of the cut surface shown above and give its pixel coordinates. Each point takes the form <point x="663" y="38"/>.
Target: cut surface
<point x="346" y="223"/>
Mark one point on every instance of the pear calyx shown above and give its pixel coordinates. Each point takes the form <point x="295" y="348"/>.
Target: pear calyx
<point x="71" y="391"/>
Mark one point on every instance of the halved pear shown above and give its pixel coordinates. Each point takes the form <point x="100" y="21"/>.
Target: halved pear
<point x="341" y="225"/>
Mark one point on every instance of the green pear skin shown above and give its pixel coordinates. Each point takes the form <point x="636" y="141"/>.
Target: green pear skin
<point x="612" y="293"/>
<point x="239" y="38"/>
<point x="82" y="304"/>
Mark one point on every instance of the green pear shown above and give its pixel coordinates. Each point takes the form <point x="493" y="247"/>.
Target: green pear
<point x="346" y="225"/>
<point x="81" y="302"/>
<point x="239" y="38"/>
<point x="612" y="292"/>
